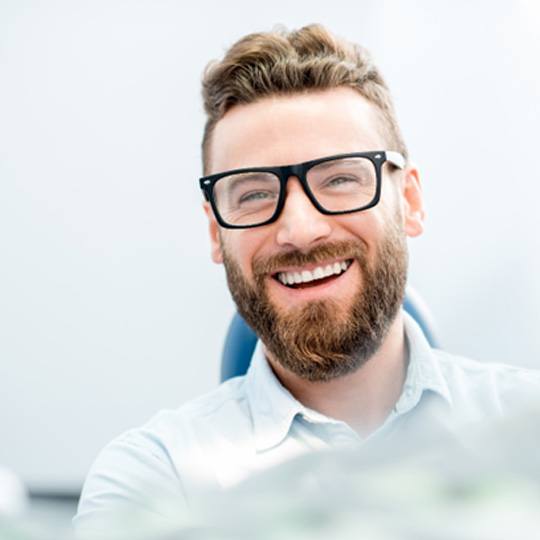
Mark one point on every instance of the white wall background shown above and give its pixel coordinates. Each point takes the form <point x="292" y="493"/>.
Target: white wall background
<point x="109" y="306"/>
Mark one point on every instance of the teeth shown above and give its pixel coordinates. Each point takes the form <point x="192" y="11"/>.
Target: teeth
<point x="328" y="271"/>
<point x="290" y="278"/>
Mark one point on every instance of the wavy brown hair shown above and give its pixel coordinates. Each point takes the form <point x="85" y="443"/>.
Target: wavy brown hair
<point x="284" y="62"/>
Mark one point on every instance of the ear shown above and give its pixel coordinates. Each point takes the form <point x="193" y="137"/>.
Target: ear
<point x="413" y="202"/>
<point x="213" y="230"/>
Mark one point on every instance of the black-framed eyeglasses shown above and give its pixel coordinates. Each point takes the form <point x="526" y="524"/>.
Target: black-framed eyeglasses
<point x="340" y="184"/>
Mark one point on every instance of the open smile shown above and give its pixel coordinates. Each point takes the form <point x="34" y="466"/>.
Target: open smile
<point x="299" y="278"/>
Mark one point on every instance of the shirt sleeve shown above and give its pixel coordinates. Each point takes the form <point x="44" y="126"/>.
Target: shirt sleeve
<point x="133" y="486"/>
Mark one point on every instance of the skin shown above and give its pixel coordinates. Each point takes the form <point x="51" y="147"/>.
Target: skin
<point x="285" y="130"/>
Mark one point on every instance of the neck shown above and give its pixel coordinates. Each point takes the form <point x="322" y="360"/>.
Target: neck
<point x="362" y="399"/>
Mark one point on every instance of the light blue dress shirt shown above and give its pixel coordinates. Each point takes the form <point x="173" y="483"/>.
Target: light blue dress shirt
<point x="251" y="423"/>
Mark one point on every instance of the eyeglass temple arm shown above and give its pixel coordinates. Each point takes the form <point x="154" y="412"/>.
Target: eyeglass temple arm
<point x="395" y="158"/>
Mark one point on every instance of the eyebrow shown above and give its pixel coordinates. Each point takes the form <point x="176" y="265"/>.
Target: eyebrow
<point x="341" y="161"/>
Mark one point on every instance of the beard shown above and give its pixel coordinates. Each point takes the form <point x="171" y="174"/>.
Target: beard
<point x="321" y="340"/>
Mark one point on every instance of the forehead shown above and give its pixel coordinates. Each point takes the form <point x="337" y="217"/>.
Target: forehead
<point x="282" y="130"/>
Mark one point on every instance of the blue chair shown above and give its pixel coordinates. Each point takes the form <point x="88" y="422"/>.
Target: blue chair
<point x="241" y="340"/>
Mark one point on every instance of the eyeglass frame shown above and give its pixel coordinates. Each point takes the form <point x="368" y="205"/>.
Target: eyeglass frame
<point x="300" y="170"/>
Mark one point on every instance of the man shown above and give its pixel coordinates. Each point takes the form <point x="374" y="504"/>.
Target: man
<point x="310" y="197"/>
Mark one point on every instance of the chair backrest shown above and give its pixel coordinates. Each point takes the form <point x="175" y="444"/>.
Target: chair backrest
<point x="241" y="340"/>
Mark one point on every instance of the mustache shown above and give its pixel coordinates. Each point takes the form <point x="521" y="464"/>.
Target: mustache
<point x="346" y="249"/>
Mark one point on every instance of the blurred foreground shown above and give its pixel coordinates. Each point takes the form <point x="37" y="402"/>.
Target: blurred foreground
<point x="484" y="484"/>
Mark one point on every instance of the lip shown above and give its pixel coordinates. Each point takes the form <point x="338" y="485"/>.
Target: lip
<point x="339" y="288"/>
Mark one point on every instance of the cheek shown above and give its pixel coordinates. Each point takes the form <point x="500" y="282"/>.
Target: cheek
<point x="243" y="246"/>
<point x="368" y="226"/>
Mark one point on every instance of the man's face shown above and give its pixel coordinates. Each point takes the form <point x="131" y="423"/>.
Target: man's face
<point x="329" y="326"/>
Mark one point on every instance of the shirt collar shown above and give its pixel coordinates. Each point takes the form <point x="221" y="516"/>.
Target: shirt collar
<point x="424" y="371"/>
<point x="274" y="408"/>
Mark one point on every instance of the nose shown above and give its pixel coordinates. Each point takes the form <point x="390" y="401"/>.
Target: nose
<point x="300" y="224"/>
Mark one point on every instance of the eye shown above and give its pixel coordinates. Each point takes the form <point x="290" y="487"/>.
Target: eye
<point x="254" y="196"/>
<point x="336" y="181"/>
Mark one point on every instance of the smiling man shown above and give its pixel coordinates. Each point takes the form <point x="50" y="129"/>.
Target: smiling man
<point x="315" y="250"/>
<point x="310" y="197"/>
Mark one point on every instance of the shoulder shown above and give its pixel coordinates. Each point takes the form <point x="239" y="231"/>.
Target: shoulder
<point x="487" y="372"/>
<point x="227" y="399"/>
<point x="146" y="466"/>
<point x="168" y="430"/>
<point x="489" y="386"/>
